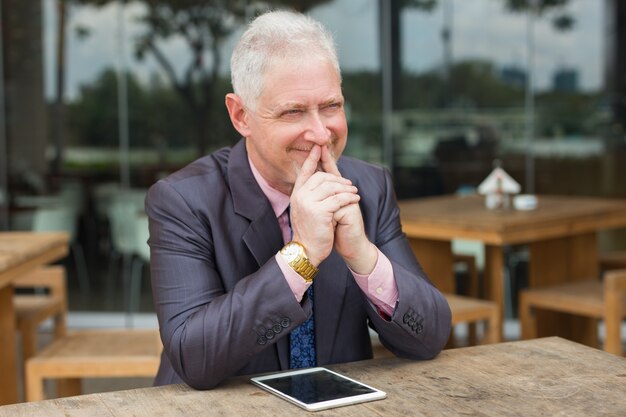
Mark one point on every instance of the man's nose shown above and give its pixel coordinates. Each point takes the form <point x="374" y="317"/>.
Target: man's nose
<point x="316" y="130"/>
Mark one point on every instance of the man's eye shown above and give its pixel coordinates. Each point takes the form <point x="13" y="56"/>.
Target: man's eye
<point x="333" y="106"/>
<point x="291" y="112"/>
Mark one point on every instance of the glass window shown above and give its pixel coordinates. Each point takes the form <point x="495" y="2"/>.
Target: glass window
<point x="101" y="101"/>
<point x="483" y="80"/>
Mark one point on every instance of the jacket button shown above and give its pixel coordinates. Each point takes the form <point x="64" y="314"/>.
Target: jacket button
<point x="405" y="318"/>
<point x="269" y="334"/>
<point x="285" y="322"/>
<point x="261" y="340"/>
<point x="277" y="328"/>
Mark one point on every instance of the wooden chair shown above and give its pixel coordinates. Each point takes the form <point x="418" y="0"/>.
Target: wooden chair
<point x="465" y="309"/>
<point x="93" y="354"/>
<point x="64" y="218"/>
<point x="33" y="309"/>
<point x="468" y="262"/>
<point x="605" y="300"/>
<point x="612" y="260"/>
<point x="472" y="310"/>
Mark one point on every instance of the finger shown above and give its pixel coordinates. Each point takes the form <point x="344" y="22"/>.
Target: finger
<point x="337" y="201"/>
<point x="308" y="167"/>
<point x="328" y="162"/>
<point x="342" y="213"/>
<point x="319" y="178"/>
<point x="330" y="188"/>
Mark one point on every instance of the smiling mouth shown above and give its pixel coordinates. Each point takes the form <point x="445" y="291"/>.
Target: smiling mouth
<point x="331" y="145"/>
<point x="301" y="150"/>
<point x="305" y="151"/>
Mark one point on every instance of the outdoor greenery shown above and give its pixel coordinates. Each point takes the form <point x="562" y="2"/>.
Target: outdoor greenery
<point x="159" y="119"/>
<point x="203" y="26"/>
<point x="186" y="110"/>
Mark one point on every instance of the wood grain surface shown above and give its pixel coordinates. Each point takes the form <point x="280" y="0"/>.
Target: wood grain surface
<point x="548" y="376"/>
<point x="20" y="253"/>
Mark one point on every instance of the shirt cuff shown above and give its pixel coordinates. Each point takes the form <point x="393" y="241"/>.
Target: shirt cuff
<point x="380" y="285"/>
<point x="297" y="284"/>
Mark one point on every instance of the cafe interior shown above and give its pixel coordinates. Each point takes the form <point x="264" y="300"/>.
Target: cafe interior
<point x="503" y="124"/>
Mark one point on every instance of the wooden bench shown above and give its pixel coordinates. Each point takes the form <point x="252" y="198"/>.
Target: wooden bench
<point x="471" y="310"/>
<point x="93" y="354"/>
<point x="605" y="300"/>
<point x="33" y="309"/>
<point x="464" y="310"/>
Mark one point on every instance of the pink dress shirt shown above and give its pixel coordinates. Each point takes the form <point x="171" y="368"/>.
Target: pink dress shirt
<point x="379" y="286"/>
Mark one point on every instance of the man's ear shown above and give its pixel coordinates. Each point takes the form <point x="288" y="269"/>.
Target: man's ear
<point x="238" y="114"/>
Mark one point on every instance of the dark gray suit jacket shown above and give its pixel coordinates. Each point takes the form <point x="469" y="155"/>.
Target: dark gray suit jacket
<point x="223" y="305"/>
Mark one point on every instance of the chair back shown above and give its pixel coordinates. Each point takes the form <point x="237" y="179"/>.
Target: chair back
<point x="103" y="196"/>
<point x="122" y="216"/>
<point x="141" y="237"/>
<point x="55" y="219"/>
<point x="51" y="277"/>
<point x="123" y="212"/>
<point x="615" y="290"/>
<point x="614" y="310"/>
<point x="615" y="281"/>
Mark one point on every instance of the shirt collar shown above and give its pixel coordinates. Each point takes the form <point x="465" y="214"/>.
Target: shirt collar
<point x="278" y="200"/>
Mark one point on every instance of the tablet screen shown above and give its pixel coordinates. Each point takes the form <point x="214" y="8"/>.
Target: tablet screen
<point x="318" y="388"/>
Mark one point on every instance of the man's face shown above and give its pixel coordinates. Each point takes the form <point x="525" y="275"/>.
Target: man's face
<point x="301" y="106"/>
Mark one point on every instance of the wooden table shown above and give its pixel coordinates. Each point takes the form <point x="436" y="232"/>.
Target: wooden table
<point x="560" y="234"/>
<point x="549" y="376"/>
<point x="20" y="252"/>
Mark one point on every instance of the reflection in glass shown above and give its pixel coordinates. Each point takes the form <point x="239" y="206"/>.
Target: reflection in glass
<point x="454" y="94"/>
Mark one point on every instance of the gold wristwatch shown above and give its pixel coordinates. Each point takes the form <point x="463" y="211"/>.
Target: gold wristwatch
<point x="294" y="254"/>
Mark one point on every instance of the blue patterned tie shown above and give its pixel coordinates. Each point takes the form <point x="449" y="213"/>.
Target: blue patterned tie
<point x="302" y="341"/>
<point x="302" y="338"/>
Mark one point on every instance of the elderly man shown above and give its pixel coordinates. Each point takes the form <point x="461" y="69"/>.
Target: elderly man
<point x="279" y="253"/>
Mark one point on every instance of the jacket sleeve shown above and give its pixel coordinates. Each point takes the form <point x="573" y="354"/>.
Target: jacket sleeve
<point x="210" y="332"/>
<point x="420" y="325"/>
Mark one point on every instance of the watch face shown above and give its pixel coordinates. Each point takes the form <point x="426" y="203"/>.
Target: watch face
<point x="291" y="251"/>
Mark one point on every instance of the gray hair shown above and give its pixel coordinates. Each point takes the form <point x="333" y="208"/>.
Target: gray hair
<point x="275" y="36"/>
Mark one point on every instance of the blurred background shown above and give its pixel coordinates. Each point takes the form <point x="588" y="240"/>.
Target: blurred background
<point x="102" y="98"/>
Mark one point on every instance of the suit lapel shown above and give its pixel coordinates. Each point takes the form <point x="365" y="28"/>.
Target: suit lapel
<point x="263" y="237"/>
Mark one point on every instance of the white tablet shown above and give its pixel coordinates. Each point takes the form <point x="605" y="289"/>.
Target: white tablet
<point x="317" y="389"/>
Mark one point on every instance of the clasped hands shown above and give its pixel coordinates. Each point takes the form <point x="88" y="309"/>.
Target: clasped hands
<point x="325" y="214"/>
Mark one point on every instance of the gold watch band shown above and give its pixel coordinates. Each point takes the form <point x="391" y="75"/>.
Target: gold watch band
<point x="296" y="258"/>
<point x="305" y="268"/>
